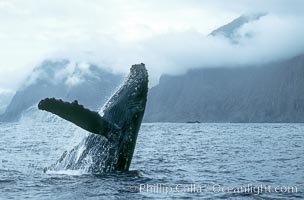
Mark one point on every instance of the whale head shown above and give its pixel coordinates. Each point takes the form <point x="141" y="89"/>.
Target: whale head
<point x="126" y="109"/>
<point x="129" y="101"/>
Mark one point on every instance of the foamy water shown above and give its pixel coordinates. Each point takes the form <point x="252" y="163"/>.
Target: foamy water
<point x="169" y="161"/>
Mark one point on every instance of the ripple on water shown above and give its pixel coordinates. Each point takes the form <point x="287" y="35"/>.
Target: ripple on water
<point x="204" y="154"/>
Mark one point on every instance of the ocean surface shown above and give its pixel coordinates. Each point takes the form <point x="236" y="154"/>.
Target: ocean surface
<point x="186" y="161"/>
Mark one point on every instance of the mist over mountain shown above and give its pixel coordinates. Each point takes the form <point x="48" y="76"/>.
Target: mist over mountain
<point x="267" y="93"/>
<point x="231" y="29"/>
<point x="235" y="74"/>
<point x="5" y="98"/>
<point x="237" y="91"/>
<point x="60" y="78"/>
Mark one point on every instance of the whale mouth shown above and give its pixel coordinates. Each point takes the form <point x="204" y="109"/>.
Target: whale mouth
<point x="138" y="78"/>
<point x="138" y="72"/>
<point x="138" y="68"/>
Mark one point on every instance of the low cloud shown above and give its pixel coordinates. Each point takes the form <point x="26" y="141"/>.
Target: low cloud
<point x="271" y="38"/>
<point x="59" y="71"/>
<point x="170" y="37"/>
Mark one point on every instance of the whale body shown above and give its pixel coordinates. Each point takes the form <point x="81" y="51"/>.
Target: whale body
<point x="112" y="144"/>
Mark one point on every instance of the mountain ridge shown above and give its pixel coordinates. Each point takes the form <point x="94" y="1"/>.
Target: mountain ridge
<point x="60" y="78"/>
<point x="229" y="30"/>
<point x="267" y="93"/>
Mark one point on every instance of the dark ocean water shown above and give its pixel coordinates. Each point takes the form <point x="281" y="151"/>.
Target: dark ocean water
<point x="187" y="161"/>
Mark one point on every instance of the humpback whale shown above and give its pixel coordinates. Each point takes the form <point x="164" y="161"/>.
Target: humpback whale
<point x="111" y="146"/>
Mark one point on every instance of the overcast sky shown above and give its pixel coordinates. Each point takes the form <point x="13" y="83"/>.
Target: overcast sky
<point x="169" y="36"/>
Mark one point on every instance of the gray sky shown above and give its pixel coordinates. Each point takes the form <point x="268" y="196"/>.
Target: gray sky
<point x="169" y="36"/>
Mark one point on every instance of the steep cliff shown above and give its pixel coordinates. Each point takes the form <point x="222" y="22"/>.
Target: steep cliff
<point x="60" y="78"/>
<point x="5" y="98"/>
<point x="268" y="93"/>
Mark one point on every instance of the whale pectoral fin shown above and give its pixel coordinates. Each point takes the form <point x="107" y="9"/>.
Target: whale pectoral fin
<point x="77" y="114"/>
